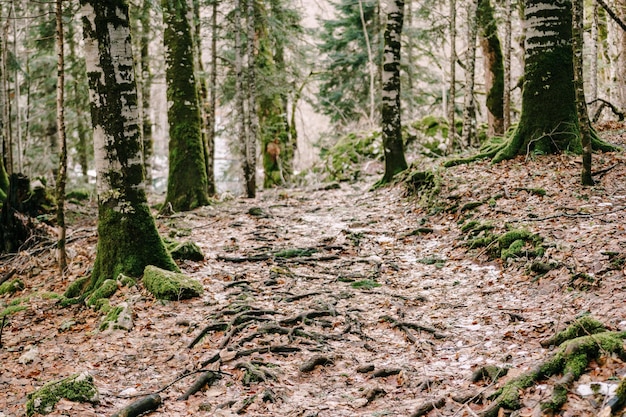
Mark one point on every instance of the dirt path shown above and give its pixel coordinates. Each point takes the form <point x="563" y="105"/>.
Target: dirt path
<point x="341" y="302"/>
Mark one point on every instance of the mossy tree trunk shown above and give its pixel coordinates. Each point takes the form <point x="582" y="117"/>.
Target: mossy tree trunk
<point x="451" y="108"/>
<point x="187" y="179"/>
<point x="494" y="69"/>
<point x="211" y="111"/>
<point x="393" y="144"/>
<point x="128" y="239"/>
<point x="62" y="172"/>
<point x="549" y="119"/>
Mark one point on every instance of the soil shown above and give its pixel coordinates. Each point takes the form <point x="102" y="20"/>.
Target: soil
<point x="341" y="302"/>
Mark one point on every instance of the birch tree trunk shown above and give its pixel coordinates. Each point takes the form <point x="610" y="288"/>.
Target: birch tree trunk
<point x="62" y="174"/>
<point x="549" y="122"/>
<point x="187" y="179"/>
<point x="393" y="144"/>
<point x="469" y="108"/>
<point x="128" y="240"/>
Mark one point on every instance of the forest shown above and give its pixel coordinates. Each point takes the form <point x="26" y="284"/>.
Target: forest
<point x="312" y="208"/>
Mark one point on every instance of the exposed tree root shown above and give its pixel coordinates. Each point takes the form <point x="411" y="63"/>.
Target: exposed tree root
<point x="571" y="359"/>
<point x="207" y="378"/>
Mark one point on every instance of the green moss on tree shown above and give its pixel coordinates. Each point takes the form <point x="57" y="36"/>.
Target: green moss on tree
<point x="127" y="244"/>
<point x="78" y="387"/>
<point x="105" y="290"/>
<point x="582" y="326"/>
<point x="187" y="186"/>
<point x="167" y="285"/>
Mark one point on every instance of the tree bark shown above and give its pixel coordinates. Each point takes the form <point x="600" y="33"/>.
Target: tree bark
<point x="393" y="144"/>
<point x="452" y="74"/>
<point x="581" y="104"/>
<point x="507" y="66"/>
<point x="62" y="173"/>
<point x="494" y="70"/>
<point x="549" y="119"/>
<point x="128" y="240"/>
<point x="252" y="118"/>
<point x="187" y="179"/>
<point x="145" y="87"/>
<point x="469" y="109"/>
<point x="211" y="111"/>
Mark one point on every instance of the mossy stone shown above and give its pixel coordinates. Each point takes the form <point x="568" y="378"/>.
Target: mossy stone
<point x="187" y="251"/>
<point x="11" y="287"/>
<point x="77" y="387"/>
<point x="167" y="285"/>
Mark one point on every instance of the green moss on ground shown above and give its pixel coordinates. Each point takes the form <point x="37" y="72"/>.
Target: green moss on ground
<point x="167" y="285"/>
<point x="78" y="387"/>
<point x="516" y="243"/>
<point x="11" y="287"/>
<point x="366" y="284"/>
<point x="12" y="310"/>
<point x="582" y="326"/>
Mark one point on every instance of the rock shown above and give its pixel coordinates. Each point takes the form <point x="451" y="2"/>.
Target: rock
<point x="29" y="356"/>
<point x="77" y="387"/>
<point x="187" y="251"/>
<point x="167" y="285"/>
<point x="118" y="318"/>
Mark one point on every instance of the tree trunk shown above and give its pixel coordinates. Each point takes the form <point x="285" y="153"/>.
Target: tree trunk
<point x="549" y="119"/>
<point x="211" y="111"/>
<point x="6" y="101"/>
<point x="145" y="78"/>
<point x="452" y="73"/>
<point x="187" y="179"/>
<point x="371" y="65"/>
<point x="506" y="105"/>
<point x="240" y="102"/>
<point x="469" y="109"/>
<point x="62" y="174"/>
<point x="581" y="104"/>
<point x="252" y="121"/>
<point x="393" y="144"/>
<point x="128" y="240"/>
<point x="494" y="70"/>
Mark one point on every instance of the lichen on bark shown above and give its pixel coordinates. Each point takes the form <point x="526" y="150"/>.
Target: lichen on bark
<point x="127" y="236"/>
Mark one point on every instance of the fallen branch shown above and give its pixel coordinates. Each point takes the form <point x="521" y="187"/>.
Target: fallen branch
<point x="207" y="378"/>
<point x="141" y="406"/>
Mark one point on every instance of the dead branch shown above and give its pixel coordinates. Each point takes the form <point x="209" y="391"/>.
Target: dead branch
<point x="316" y="360"/>
<point x="428" y="407"/>
<point x="612" y="14"/>
<point x="141" y="406"/>
<point x="207" y="378"/>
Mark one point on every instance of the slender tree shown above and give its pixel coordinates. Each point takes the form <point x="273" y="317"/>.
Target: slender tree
<point x="506" y="105"/>
<point x="187" y="179"/>
<point x="62" y="172"/>
<point x="393" y="144"/>
<point x="451" y="110"/>
<point x="493" y="67"/>
<point x="581" y="104"/>
<point x="211" y="111"/>
<point x="469" y="107"/>
<point x="252" y="121"/>
<point x="128" y="240"/>
<point x="145" y="85"/>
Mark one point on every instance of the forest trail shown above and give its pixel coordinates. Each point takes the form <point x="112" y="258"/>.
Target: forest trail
<point x="343" y="302"/>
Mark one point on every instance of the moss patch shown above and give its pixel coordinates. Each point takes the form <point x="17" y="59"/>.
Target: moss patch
<point x="11" y="287"/>
<point x="516" y="243"/>
<point x="76" y="288"/>
<point x="12" y="310"/>
<point x="78" y="387"/>
<point x="167" y="285"/>
<point x="105" y="290"/>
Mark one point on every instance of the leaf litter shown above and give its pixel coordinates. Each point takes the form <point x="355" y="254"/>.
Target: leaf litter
<point x="329" y="304"/>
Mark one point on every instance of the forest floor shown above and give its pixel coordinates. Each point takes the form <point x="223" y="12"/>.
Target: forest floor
<point x="343" y="302"/>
